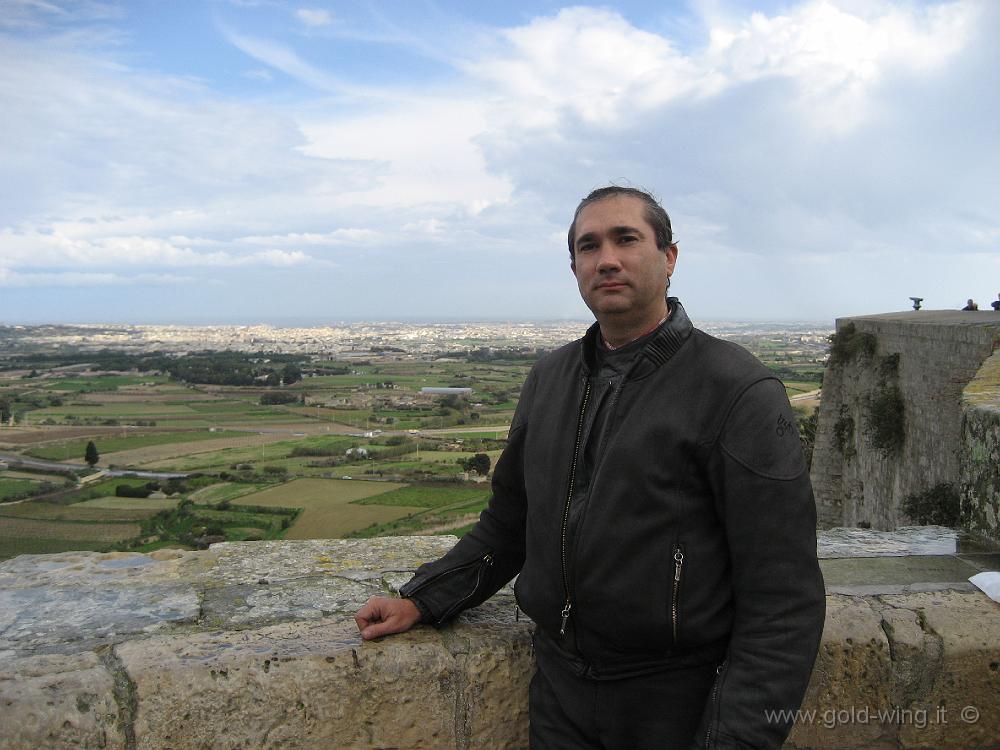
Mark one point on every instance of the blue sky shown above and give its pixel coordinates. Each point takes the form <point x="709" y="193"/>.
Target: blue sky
<point x="264" y="161"/>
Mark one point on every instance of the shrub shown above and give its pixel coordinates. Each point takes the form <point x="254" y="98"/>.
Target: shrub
<point x="128" y="490"/>
<point x="940" y="505"/>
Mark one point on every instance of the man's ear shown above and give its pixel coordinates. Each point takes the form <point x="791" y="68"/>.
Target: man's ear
<point x="572" y="265"/>
<point x="671" y="258"/>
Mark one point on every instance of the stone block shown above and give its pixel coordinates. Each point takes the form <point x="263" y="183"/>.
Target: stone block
<point x="311" y="684"/>
<point x="496" y="660"/>
<point x="58" y="701"/>
<point x="850" y="683"/>
<point x="962" y="695"/>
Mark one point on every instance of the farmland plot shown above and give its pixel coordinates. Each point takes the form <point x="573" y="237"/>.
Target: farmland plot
<point x="328" y="506"/>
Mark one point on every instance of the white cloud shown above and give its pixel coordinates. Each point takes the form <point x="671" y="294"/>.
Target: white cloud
<point x="343" y="236"/>
<point x="422" y="152"/>
<point x="38" y="250"/>
<point x="314" y="16"/>
<point x="10" y="278"/>
<point x="597" y="66"/>
<point x="281" y="57"/>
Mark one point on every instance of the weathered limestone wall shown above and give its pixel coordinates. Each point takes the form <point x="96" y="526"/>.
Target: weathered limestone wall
<point x="939" y="352"/>
<point x="252" y="645"/>
<point x="980" y="465"/>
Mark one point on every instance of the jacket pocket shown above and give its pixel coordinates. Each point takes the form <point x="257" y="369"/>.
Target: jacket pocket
<point x="714" y="704"/>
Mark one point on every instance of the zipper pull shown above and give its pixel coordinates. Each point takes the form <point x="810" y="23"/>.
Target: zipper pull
<point x="565" y="617"/>
<point x="678" y="562"/>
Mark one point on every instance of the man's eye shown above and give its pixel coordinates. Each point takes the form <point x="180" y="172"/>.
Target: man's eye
<point x="627" y="238"/>
<point x="587" y="247"/>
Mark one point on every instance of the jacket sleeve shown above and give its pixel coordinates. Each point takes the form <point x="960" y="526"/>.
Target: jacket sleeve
<point x="763" y="496"/>
<point x="492" y="552"/>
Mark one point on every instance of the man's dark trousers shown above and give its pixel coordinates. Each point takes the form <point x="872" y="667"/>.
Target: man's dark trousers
<point x="659" y="710"/>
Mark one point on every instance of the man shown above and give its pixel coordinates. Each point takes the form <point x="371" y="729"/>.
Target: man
<point x="970" y="305"/>
<point x="654" y="499"/>
<point x="995" y="304"/>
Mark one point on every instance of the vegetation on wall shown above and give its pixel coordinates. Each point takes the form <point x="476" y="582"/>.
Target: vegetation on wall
<point x="843" y="433"/>
<point x="847" y="344"/>
<point x="885" y="422"/>
<point x="807" y="433"/>
<point x="940" y="505"/>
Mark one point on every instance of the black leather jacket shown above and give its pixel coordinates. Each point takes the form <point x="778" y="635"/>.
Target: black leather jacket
<point x="697" y="543"/>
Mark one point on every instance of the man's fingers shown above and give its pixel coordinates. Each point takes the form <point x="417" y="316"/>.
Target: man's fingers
<point x="378" y="629"/>
<point x="384" y="616"/>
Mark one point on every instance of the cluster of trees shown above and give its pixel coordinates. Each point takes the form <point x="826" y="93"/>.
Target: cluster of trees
<point x="209" y="368"/>
<point x="484" y="354"/>
<point x="479" y="463"/>
<point x="279" y="397"/>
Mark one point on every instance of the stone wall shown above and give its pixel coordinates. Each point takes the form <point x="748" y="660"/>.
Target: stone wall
<point x="980" y="466"/>
<point x="252" y="645"/>
<point x="929" y="356"/>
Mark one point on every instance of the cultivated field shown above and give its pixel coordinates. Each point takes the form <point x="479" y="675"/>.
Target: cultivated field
<point x="31" y="528"/>
<point x="328" y="506"/>
<point x="85" y="511"/>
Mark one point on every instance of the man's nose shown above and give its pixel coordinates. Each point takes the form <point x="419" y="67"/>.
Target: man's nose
<point x="608" y="259"/>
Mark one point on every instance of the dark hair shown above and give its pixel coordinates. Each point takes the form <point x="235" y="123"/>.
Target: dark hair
<point x="655" y="216"/>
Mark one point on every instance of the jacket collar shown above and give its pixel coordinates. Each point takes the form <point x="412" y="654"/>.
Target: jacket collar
<point x="667" y="340"/>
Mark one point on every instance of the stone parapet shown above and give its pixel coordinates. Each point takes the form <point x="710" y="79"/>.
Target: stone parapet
<point x="252" y="645"/>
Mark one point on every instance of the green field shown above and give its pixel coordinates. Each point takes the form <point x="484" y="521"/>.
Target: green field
<point x="10" y="487"/>
<point x="100" y="383"/>
<point x="498" y="434"/>
<point x="31" y="528"/>
<point x="329" y="510"/>
<point x="151" y="504"/>
<point x="113" y="444"/>
<point x="85" y="511"/>
<point x="424" y="496"/>
<point x="218" y="493"/>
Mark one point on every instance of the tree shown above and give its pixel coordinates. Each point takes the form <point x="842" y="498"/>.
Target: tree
<point x="291" y="374"/>
<point x="479" y="463"/>
<point x="4" y="410"/>
<point x="90" y="455"/>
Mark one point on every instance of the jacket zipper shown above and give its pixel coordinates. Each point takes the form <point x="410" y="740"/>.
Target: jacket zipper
<point x="569" y="498"/>
<point x="483" y="562"/>
<point x="716" y="686"/>
<point x="678" y="567"/>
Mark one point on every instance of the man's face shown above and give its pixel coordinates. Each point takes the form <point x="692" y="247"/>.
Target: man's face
<point x="620" y="271"/>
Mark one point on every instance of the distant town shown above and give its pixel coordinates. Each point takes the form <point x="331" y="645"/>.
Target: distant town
<point x="345" y="339"/>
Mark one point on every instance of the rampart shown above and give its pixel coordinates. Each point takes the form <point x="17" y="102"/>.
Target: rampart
<point x="896" y="420"/>
<point x="252" y="645"/>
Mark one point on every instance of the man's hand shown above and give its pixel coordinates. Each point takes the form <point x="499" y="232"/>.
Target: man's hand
<point x="384" y="616"/>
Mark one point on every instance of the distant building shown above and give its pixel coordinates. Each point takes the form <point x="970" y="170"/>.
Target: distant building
<point x="447" y="391"/>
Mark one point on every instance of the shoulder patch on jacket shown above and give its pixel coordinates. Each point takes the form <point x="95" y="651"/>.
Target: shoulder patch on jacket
<point x="760" y="432"/>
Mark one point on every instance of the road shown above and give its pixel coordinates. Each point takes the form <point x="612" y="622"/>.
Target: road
<point x="13" y="459"/>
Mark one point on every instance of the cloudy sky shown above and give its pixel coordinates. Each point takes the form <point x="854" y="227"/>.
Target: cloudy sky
<point x="267" y="161"/>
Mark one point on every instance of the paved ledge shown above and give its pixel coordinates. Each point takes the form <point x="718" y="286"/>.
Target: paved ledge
<point x="252" y="645"/>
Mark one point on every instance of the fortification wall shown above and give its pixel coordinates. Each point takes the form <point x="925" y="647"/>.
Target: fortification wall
<point x="252" y="645"/>
<point x="923" y="360"/>
<point x="980" y="464"/>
